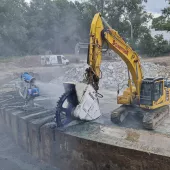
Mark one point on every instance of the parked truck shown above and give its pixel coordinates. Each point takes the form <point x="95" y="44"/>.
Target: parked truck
<point x="48" y="60"/>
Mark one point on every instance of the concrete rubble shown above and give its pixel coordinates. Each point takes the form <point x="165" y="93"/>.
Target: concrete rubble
<point x="113" y="73"/>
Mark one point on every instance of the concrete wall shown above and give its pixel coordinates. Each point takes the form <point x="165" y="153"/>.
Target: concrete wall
<point x="71" y="148"/>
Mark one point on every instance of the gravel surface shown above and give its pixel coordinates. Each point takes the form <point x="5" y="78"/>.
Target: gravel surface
<point x="113" y="73"/>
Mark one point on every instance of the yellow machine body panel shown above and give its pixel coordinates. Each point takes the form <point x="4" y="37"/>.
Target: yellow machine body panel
<point x="162" y="100"/>
<point x="126" y="98"/>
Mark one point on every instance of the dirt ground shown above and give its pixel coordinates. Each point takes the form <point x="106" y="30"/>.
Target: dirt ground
<point x="11" y="69"/>
<point x="159" y="60"/>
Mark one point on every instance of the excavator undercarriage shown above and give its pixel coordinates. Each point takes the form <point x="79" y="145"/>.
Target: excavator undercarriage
<point x="151" y="119"/>
<point x="152" y="106"/>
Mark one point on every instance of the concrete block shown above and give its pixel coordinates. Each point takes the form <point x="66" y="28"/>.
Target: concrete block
<point x="14" y="123"/>
<point x="16" y="127"/>
<point x="47" y="140"/>
<point x="35" y="135"/>
<point x="63" y="149"/>
<point x="2" y="113"/>
<point x="23" y="135"/>
<point x="7" y="115"/>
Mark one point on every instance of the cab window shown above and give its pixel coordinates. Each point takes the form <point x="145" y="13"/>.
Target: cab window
<point x="146" y="94"/>
<point x="158" y="90"/>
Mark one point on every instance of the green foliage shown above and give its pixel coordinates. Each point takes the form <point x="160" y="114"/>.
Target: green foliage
<point x="12" y="27"/>
<point x="57" y="25"/>
<point x="162" y="22"/>
<point x="161" y="46"/>
<point x="52" y="26"/>
<point x="146" y="44"/>
<point x="153" y="46"/>
<point x="85" y="12"/>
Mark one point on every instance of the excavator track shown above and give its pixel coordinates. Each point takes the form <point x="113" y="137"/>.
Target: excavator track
<point x="151" y="118"/>
<point x="154" y="118"/>
<point x="118" y="115"/>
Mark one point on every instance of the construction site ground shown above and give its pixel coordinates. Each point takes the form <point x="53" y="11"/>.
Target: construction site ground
<point x="11" y="71"/>
<point x="122" y="137"/>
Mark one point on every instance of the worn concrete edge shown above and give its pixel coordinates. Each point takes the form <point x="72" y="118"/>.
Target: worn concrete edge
<point x="147" y="141"/>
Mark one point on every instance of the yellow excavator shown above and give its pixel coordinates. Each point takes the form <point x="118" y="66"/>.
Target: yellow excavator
<point x="147" y="96"/>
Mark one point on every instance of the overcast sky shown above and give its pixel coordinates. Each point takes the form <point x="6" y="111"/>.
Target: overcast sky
<point x="155" y="6"/>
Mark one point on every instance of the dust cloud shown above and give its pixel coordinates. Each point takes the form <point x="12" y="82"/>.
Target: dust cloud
<point x="51" y="91"/>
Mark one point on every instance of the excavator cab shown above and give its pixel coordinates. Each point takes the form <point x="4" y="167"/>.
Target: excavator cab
<point x="154" y="101"/>
<point x="151" y="91"/>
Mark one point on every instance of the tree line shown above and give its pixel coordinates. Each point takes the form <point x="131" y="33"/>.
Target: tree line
<point x="57" y="25"/>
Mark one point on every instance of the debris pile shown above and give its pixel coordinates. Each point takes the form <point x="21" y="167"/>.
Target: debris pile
<point x="113" y="73"/>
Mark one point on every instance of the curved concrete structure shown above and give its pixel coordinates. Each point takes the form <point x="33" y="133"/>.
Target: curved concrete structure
<point x="84" y="146"/>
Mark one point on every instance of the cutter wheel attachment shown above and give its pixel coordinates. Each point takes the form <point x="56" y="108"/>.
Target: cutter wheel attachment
<point x="65" y="107"/>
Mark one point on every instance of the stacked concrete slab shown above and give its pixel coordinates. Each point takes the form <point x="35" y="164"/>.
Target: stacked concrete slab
<point x="84" y="146"/>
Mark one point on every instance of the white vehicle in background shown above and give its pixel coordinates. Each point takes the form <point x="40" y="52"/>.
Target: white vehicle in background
<point x="48" y="60"/>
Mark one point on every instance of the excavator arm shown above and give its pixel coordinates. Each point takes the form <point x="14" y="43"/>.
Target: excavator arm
<point x="99" y="35"/>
